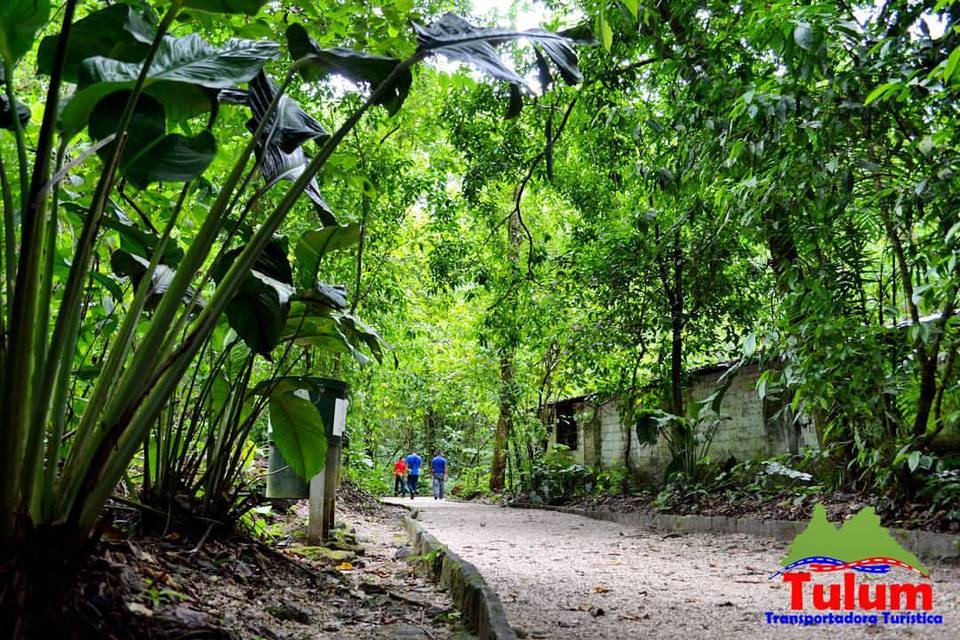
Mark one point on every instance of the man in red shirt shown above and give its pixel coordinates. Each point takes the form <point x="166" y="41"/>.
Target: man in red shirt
<point x="400" y="477"/>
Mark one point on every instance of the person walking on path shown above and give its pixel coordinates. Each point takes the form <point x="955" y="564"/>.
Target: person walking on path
<point x="439" y="468"/>
<point x="400" y="477"/>
<point x="413" y="472"/>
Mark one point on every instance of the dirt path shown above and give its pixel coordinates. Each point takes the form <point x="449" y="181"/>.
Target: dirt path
<point x="239" y="588"/>
<point x="375" y="589"/>
<point x="565" y="576"/>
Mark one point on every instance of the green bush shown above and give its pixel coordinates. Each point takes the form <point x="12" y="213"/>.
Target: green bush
<point x="557" y="477"/>
<point x="472" y="482"/>
<point x="367" y="474"/>
<point x="610" y="480"/>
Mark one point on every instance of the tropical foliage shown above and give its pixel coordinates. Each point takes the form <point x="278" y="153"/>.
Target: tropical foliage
<point x="770" y="183"/>
<point x="202" y="198"/>
<point x="149" y="303"/>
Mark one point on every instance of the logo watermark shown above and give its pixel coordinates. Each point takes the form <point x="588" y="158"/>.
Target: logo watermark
<point x="855" y="575"/>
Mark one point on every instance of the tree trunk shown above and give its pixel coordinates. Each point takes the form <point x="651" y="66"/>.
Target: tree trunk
<point x="517" y="477"/>
<point x="628" y="416"/>
<point x="930" y="368"/>
<point x="430" y="437"/>
<point x="928" y="392"/>
<point x="671" y="280"/>
<point x="504" y="424"/>
<point x="784" y="256"/>
<point x="507" y="393"/>
<point x="676" y="360"/>
<point x="676" y="327"/>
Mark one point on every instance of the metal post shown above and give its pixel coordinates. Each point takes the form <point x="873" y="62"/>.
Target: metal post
<point x="331" y="480"/>
<point x="323" y="486"/>
<point x="315" y="530"/>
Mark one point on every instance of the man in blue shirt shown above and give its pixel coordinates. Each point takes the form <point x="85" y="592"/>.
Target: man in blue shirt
<point x="413" y="472"/>
<point x="439" y="467"/>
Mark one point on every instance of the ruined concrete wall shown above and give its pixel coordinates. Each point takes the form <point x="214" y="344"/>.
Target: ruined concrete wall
<point x="749" y="429"/>
<point x="589" y="436"/>
<point x="752" y="428"/>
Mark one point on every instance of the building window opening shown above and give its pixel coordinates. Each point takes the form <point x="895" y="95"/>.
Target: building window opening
<point x="566" y="425"/>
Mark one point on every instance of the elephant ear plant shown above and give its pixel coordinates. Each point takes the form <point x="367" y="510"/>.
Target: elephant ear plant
<point x="63" y="453"/>
<point x="195" y="455"/>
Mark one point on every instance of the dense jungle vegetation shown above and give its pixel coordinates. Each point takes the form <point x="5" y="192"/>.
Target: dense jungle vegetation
<point x="208" y="202"/>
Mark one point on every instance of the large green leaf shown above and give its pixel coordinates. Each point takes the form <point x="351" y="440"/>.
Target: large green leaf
<point x="259" y="310"/>
<point x="328" y="296"/>
<point x="276" y="164"/>
<point x="258" y="313"/>
<point x="191" y="60"/>
<point x="313" y="245"/>
<point x="219" y="393"/>
<point x="6" y="114"/>
<point x="322" y="332"/>
<point x="61" y="268"/>
<point x="181" y="101"/>
<point x="19" y="22"/>
<point x="131" y="266"/>
<point x="132" y="239"/>
<point x="353" y="65"/>
<point x="358" y="331"/>
<point x="330" y="330"/>
<point x="290" y="126"/>
<point x="280" y="154"/>
<point x="298" y="433"/>
<point x="273" y="261"/>
<point x="172" y="158"/>
<point x="150" y="154"/>
<point x="305" y="325"/>
<point x="249" y="7"/>
<point x="604" y="29"/>
<point x="286" y="384"/>
<point x="185" y="65"/>
<point x="147" y="125"/>
<point x="457" y="39"/>
<point x="118" y="32"/>
<point x="804" y="35"/>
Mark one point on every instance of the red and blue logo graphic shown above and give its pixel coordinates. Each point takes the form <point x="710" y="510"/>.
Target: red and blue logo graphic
<point x="866" y="558"/>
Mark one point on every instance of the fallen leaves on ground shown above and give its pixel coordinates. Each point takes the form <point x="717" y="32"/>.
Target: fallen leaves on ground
<point x="236" y="588"/>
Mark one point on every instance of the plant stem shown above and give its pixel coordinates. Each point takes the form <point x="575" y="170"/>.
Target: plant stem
<point x="127" y="426"/>
<point x="39" y="493"/>
<point x="9" y="238"/>
<point x="21" y="444"/>
<point x="113" y="399"/>
<point x="67" y="327"/>
<point x="18" y="136"/>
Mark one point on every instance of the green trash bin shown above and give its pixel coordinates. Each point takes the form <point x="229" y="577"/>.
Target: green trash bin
<point x="282" y="481"/>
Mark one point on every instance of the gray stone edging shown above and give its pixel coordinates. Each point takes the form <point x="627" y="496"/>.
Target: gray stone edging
<point x="927" y="545"/>
<point x="480" y="605"/>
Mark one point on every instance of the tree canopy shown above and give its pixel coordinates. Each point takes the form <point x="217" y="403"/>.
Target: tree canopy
<point x="465" y="215"/>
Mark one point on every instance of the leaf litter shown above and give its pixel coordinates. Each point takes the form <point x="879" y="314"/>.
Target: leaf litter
<point x="239" y="588"/>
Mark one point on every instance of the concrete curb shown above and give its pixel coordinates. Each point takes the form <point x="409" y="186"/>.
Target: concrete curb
<point x="927" y="545"/>
<point x="480" y="605"/>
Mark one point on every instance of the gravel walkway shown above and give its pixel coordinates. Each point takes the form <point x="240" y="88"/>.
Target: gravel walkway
<point x="565" y="576"/>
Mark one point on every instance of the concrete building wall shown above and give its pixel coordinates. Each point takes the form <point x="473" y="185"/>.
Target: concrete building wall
<point x="611" y="434"/>
<point x="752" y="428"/>
<point x="587" y="436"/>
<point x="748" y="428"/>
